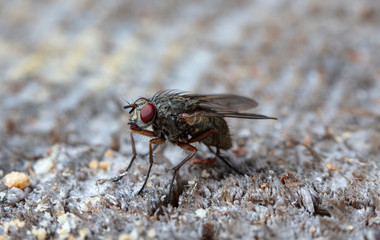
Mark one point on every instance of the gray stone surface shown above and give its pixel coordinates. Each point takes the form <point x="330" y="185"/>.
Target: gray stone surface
<point x="67" y="66"/>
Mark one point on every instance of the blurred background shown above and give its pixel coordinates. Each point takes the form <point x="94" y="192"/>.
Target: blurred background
<point x="67" y="67"/>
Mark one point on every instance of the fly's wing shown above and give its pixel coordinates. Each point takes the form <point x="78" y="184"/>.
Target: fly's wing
<point x="223" y="102"/>
<point x="233" y="115"/>
<point x="225" y="105"/>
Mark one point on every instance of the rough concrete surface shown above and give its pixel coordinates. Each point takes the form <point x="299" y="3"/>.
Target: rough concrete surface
<point x="67" y="67"/>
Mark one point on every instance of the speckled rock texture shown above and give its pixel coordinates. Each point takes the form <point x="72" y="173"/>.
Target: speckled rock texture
<point x="67" y="67"/>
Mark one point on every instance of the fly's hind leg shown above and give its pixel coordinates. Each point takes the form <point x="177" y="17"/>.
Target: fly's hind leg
<point x="200" y="137"/>
<point x="185" y="146"/>
<point x="189" y="147"/>
<point x="224" y="159"/>
<point x="206" y="161"/>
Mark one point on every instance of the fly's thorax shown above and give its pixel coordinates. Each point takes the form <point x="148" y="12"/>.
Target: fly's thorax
<point x="167" y="123"/>
<point x="167" y="127"/>
<point x="174" y="104"/>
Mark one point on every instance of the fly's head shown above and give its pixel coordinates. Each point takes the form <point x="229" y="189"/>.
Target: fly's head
<point x="142" y="114"/>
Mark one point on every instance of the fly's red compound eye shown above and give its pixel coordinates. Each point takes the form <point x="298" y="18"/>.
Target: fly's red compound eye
<point x="147" y="113"/>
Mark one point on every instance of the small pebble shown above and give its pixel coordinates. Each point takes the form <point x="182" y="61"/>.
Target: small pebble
<point x="16" y="180"/>
<point x="109" y="153"/>
<point x="94" y="164"/>
<point x="39" y="233"/>
<point x="205" y="174"/>
<point x="125" y="236"/>
<point x="43" y="166"/>
<point x="151" y="233"/>
<point x="82" y="234"/>
<point x="104" y="165"/>
<point x="200" y="213"/>
<point x="264" y="186"/>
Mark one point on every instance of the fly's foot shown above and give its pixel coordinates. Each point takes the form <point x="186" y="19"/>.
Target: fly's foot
<point x="141" y="190"/>
<point x="113" y="179"/>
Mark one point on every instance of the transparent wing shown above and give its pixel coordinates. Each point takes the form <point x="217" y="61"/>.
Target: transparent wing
<point x="224" y="102"/>
<point x="232" y="115"/>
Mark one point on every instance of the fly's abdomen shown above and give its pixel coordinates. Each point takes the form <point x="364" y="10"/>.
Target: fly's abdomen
<point x="201" y="124"/>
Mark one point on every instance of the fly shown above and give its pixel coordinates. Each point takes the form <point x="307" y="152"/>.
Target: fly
<point x="183" y="119"/>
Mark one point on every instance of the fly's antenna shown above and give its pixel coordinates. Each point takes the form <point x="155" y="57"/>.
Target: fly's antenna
<point x="129" y="105"/>
<point x="125" y="100"/>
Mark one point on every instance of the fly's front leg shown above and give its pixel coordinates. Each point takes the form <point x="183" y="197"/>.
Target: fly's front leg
<point x="146" y="154"/>
<point x="134" y="154"/>
<point x="152" y="141"/>
<point x="120" y="176"/>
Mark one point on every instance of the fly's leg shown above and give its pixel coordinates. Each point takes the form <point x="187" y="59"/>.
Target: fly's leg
<point x="152" y="141"/>
<point x="134" y="154"/>
<point x="146" y="154"/>
<point x="200" y="137"/>
<point x="185" y="146"/>
<point x="217" y="155"/>
<point x="203" y="161"/>
<point x="117" y="178"/>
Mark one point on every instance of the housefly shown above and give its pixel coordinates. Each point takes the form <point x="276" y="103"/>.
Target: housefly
<point x="183" y="119"/>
